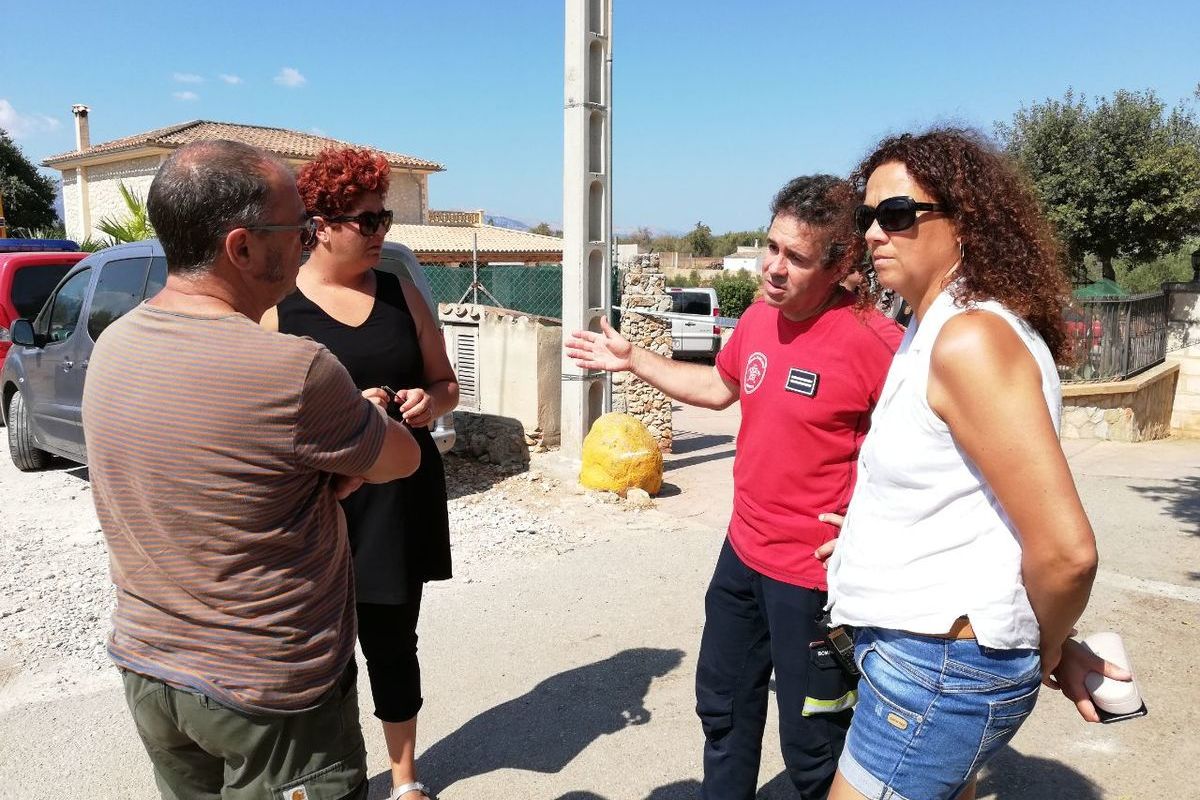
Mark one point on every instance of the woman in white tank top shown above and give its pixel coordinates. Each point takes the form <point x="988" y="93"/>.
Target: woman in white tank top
<point x="966" y="556"/>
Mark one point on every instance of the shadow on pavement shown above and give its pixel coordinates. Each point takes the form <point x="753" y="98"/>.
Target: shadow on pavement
<point x="1015" y="776"/>
<point x="680" y="790"/>
<point x="78" y="471"/>
<point x="1181" y="499"/>
<point x="67" y="467"/>
<point x="691" y="441"/>
<point x="551" y="724"/>
<point x="1010" y="776"/>
<point x="778" y="788"/>
<point x="678" y="463"/>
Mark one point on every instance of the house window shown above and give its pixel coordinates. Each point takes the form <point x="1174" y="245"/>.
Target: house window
<point x="66" y="307"/>
<point x="121" y="286"/>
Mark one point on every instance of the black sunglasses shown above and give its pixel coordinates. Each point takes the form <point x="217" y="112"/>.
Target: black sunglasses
<point x="894" y="214"/>
<point x="308" y="231"/>
<point x="368" y="221"/>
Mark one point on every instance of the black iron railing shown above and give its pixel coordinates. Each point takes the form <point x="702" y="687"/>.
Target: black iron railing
<point x="1116" y="337"/>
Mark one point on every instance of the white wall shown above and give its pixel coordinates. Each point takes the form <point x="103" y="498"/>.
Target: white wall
<point x="626" y="253"/>
<point x="72" y="205"/>
<point x="517" y="364"/>
<point x="103" y="194"/>
<point x="752" y="264"/>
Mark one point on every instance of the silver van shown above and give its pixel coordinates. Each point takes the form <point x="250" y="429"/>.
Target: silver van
<point x="41" y="384"/>
<point x="694" y="333"/>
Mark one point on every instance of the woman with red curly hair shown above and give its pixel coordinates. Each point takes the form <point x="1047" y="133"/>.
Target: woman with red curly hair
<point x="382" y="331"/>
<point x="966" y="556"/>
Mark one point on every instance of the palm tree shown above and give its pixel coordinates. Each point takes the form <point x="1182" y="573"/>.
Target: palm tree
<point x="135" y="226"/>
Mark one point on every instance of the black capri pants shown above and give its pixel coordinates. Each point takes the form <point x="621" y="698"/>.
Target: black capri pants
<point x="388" y="637"/>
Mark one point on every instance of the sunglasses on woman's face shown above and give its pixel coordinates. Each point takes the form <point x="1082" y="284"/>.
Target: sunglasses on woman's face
<point x="369" y="222"/>
<point x="894" y="214"/>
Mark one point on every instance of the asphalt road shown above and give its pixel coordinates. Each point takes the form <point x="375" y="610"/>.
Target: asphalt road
<point x="568" y="676"/>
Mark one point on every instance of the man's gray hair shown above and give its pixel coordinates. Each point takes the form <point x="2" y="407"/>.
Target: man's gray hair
<point x="203" y="191"/>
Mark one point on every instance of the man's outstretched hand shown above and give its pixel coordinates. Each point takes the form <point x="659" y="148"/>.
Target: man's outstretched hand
<point x="608" y="350"/>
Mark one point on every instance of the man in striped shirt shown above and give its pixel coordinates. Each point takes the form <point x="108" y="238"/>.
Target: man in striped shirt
<point x="217" y="453"/>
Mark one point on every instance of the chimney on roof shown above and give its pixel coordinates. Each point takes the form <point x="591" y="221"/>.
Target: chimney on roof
<point x="83" y="138"/>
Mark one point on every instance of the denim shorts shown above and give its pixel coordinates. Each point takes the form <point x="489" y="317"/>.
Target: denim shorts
<point x="932" y="711"/>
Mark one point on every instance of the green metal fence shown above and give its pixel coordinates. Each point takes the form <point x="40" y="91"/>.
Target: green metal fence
<point x="533" y="290"/>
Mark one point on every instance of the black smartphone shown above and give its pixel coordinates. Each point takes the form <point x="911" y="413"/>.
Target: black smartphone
<point x="1106" y="717"/>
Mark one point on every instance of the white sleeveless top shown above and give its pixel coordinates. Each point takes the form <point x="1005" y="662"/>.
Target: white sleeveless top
<point x="925" y="540"/>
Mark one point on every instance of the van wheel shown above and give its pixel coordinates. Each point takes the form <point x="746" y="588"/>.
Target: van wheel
<point x="25" y="455"/>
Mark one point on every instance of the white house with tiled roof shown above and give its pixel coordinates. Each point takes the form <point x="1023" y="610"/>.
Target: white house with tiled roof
<point x="91" y="175"/>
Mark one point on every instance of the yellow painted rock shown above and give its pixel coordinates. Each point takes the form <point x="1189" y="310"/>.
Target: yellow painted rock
<point x="619" y="454"/>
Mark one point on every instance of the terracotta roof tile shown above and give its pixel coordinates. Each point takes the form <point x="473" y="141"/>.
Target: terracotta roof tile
<point x="280" y="141"/>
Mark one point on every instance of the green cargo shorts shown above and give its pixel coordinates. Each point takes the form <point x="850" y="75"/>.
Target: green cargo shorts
<point x="202" y="750"/>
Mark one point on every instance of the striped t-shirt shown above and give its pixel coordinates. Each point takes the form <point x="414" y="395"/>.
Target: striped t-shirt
<point x="212" y="445"/>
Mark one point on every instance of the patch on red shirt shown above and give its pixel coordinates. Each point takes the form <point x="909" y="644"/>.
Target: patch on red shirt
<point x="756" y="371"/>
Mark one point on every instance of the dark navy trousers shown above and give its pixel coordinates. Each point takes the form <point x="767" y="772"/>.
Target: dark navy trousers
<point x="753" y="625"/>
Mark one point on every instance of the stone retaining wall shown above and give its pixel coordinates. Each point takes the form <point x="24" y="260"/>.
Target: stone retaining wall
<point x="645" y="287"/>
<point x="491" y="439"/>
<point x="1135" y="410"/>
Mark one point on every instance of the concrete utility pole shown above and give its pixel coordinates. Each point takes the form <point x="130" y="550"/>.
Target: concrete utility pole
<point x="587" y="206"/>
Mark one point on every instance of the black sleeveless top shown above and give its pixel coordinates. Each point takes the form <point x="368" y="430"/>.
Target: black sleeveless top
<point x="399" y="531"/>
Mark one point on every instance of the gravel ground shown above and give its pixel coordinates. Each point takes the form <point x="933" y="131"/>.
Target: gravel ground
<point x="56" y="598"/>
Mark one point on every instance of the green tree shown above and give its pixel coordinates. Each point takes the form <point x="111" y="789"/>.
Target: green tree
<point x="643" y="237"/>
<point x="27" y="194"/>
<point x="728" y="243"/>
<point x="134" y="226"/>
<point x="1119" y="178"/>
<point x="667" y="244"/>
<point x="544" y="229"/>
<point x="735" y="292"/>
<point x="700" y="240"/>
<point x="1150" y="276"/>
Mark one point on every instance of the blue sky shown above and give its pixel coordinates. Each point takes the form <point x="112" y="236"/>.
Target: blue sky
<point x="716" y="103"/>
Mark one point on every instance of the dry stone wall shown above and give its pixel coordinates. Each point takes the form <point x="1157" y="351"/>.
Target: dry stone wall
<point x="1136" y="410"/>
<point x="645" y="288"/>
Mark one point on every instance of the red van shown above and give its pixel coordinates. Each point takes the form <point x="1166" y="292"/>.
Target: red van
<point x="26" y="280"/>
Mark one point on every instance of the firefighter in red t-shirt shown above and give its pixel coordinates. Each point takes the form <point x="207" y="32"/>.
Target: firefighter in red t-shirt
<point x="807" y="363"/>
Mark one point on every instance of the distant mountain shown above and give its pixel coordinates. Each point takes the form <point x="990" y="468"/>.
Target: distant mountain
<point x="505" y="222"/>
<point x="517" y="225"/>
<point x="630" y="230"/>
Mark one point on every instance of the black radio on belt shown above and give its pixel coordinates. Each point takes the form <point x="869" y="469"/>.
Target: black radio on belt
<point x="841" y="644"/>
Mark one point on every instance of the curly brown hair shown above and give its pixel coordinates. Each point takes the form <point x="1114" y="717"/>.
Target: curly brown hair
<point x="1010" y="253"/>
<point x="826" y="203"/>
<point x="331" y="183"/>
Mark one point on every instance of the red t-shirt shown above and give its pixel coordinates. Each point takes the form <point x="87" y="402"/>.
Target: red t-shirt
<point x="807" y="390"/>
